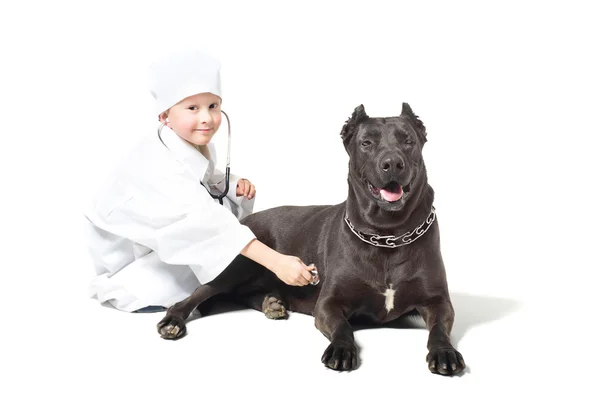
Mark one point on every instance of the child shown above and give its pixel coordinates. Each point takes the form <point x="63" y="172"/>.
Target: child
<point x="154" y="231"/>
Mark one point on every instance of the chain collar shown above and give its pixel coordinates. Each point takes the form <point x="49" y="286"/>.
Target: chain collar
<point x="392" y="241"/>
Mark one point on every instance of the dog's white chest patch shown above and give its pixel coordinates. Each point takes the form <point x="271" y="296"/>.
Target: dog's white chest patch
<point x="389" y="298"/>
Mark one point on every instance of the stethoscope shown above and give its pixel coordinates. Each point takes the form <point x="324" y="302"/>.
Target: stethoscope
<point x="215" y="196"/>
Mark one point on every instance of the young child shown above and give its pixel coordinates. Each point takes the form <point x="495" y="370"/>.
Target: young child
<point x="154" y="232"/>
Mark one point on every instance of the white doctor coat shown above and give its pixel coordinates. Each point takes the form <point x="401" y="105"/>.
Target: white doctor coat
<point x="154" y="232"/>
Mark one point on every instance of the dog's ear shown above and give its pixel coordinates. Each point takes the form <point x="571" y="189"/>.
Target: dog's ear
<point x="414" y="119"/>
<point x="349" y="127"/>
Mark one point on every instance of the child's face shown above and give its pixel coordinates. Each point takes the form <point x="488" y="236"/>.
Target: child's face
<point x="196" y="118"/>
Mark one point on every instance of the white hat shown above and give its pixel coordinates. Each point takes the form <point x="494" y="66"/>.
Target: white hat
<point x="182" y="74"/>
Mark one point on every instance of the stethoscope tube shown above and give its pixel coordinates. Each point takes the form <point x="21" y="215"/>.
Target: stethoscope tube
<point x="227" y="168"/>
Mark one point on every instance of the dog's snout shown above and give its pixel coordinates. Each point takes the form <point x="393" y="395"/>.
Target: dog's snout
<point x="391" y="163"/>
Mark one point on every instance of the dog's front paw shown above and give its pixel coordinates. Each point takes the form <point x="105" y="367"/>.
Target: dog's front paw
<point x="171" y="327"/>
<point x="341" y="356"/>
<point x="445" y="361"/>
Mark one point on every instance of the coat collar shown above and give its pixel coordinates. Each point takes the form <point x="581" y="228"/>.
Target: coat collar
<point x="200" y="166"/>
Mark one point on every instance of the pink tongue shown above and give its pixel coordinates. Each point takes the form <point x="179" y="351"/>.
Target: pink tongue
<point x="391" y="196"/>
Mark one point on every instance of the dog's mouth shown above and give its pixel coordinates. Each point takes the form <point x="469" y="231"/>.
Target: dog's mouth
<point x="390" y="193"/>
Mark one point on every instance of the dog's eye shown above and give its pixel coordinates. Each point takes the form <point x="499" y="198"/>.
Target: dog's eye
<point x="408" y="141"/>
<point x="366" y="143"/>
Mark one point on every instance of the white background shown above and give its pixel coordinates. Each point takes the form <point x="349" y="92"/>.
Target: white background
<point x="508" y="92"/>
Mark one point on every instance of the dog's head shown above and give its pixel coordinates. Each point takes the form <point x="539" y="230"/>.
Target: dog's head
<point x="385" y="155"/>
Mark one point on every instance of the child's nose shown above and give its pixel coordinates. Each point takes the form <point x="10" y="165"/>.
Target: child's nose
<point x="204" y="116"/>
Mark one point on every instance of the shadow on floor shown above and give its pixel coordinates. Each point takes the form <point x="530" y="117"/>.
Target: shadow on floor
<point x="470" y="311"/>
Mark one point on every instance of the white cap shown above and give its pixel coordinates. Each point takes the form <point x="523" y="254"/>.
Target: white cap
<point x="182" y="74"/>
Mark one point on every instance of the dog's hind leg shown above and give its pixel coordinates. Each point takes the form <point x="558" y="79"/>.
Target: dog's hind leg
<point x="271" y="304"/>
<point x="172" y="326"/>
<point x="240" y="271"/>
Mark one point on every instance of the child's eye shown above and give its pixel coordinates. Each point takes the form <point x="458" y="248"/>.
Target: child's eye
<point x="214" y="106"/>
<point x="193" y="108"/>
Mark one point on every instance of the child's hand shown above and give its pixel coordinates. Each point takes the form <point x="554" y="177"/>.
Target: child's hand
<point x="292" y="271"/>
<point x="245" y="188"/>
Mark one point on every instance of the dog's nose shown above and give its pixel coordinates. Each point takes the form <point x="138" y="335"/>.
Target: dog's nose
<point x="392" y="163"/>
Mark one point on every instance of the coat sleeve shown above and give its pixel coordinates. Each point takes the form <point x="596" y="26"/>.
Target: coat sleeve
<point x="245" y="207"/>
<point x="175" y="217"/>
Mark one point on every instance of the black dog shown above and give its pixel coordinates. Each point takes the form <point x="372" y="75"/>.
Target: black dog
<point x="377" y="253"/>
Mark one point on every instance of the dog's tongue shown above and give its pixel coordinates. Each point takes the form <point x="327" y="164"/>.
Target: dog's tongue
<point x="391" y="193"/>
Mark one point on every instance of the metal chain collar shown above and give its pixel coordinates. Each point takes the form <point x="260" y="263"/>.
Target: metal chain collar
<point x="391" y="241"/>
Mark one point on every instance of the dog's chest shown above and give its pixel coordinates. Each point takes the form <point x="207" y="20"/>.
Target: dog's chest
<point x="386" y="285"/>
<point x="382" y="303"/>
<point x="394" y="301"/>
<point x="389" y="295"/>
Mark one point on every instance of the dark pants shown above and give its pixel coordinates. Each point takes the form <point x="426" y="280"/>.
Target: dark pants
<point x="151" y="309"/>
